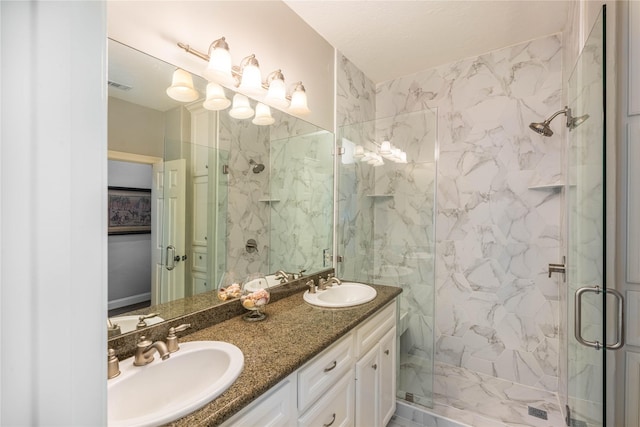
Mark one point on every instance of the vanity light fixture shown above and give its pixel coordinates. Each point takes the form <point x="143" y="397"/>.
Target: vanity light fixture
<point x="247" y="78"/>
<point x="181" y="88"/>
<point x="251" y="79"/>
<point x="299" y="100"/>
<point x="219" y="66"/>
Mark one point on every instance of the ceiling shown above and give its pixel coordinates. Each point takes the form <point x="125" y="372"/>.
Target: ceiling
<point x="389" y="39"/>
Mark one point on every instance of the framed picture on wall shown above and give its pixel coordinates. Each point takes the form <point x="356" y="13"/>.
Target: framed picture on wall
<point x="129" y="210"/>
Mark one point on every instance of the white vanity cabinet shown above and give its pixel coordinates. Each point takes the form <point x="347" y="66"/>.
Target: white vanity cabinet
<point x="338" y="387"/>
<point x="376" y="369"/>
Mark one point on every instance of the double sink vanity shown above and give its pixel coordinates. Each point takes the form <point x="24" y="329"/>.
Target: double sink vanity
<point x="297" y="367"/>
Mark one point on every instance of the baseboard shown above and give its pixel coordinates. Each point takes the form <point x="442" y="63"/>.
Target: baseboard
<point x="133" y="299"/>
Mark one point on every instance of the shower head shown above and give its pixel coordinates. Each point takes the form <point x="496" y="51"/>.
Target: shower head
<point x="541" y="128"/>
<point x="572" y="122"/>
<point x="257" y="167"/>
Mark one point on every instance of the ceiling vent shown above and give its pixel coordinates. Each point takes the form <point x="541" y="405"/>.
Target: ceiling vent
<point x="119" y="86"/>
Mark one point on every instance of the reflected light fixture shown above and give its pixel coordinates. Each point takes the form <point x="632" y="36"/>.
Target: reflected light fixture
<point x="216" y="98"/>
<point x="263" y="115"/>
<point x="241" y="108"/>
<point x="181" y="88"/>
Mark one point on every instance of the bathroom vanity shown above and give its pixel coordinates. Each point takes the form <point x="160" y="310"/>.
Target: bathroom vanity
<point x="306" y="366"/>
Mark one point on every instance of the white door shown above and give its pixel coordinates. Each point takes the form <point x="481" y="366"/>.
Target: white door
<point x="157" y="211"/>
<point x="169" y="253"/>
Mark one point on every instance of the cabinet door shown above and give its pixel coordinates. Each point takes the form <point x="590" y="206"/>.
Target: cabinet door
<point x="368" y="389"/>
<point x="387" y="376"/>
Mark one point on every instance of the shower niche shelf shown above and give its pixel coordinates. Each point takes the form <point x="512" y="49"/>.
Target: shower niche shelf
<point x="268" y="200"/>
<point x="379" y="195"/>
<point x="549" y="186"/>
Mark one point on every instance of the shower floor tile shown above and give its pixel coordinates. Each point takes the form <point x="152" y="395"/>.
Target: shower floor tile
<point x="466" y="398"/>
<point x="478" y="400"/>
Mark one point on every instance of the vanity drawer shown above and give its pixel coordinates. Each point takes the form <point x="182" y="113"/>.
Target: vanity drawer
<point x="374" y="329"/>
<point x="276" y="408"/>
<point x="335" y="408"/>
<point x="315" y="378"/>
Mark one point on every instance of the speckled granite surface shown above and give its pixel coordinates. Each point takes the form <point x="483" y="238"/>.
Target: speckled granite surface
<point x="200" y="311"/>
<point x="293" y="333"/>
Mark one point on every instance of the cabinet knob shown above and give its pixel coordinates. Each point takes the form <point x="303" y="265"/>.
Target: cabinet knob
<point x="333" y="420"/>
<point x="386" y="352"/>
<point x="374" y="366"/>
<point x="205" y="284"/>
<point x="200" y="256"/>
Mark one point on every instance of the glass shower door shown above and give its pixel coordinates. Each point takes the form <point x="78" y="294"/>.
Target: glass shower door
<point x="386" y="230"/>
<point x="588" y="294"/>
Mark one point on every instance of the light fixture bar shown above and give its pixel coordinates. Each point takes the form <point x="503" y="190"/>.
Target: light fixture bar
<point x="193" y="51"/>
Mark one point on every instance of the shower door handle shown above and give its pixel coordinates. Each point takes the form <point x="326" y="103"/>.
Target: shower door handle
<point x="171" y="258"/>
<point x="619" y="324"/>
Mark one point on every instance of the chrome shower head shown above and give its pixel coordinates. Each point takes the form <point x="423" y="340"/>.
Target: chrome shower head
<point x="257" y="167"/>
<point x="541" y="128"/>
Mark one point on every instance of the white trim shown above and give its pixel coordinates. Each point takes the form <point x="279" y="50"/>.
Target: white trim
<point x="633" y="203"/>
<point x="134" y="299"/>
<point x="634" y="58"/>
<point x="132" y="157"/>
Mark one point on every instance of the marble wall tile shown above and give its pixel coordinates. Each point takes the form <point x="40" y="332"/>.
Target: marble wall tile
<point x="247" y="217"/>
<point x="495" y="307"/>
<point x="356" y="181"/>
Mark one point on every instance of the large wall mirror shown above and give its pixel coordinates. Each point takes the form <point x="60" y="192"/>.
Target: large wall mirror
<point x="195" y="194"/>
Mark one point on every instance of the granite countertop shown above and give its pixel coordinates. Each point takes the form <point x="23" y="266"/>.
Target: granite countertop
<point x="292" y="334"/>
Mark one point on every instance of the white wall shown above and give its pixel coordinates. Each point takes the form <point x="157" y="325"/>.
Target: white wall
<point x="53" y="196"/>
<point x="269" y="29"/>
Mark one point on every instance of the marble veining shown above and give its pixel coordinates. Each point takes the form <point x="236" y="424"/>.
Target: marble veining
<point x="496" y="309"/>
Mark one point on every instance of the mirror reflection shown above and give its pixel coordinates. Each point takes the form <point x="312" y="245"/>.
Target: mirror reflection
<point x="227" y="195"/>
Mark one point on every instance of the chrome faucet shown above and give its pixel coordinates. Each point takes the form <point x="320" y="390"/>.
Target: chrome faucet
<point x="145" y="349"/>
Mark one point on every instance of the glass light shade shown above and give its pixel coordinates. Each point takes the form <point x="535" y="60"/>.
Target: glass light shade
<point x="403" y="157"/>
<point x="396" y="154"/>
<point x="251" y="82"/>
<point x="299" y="102"/>
<point x="216" y="98"/>
<point x="277" y="94"/>
<point x="263" y="115"/>
<point x="219" y="68"/>
<point x="241" y="108"/>
<point x="181" y="88"/>
<point x="358" y="152"/>
<point x="385" y="148"/>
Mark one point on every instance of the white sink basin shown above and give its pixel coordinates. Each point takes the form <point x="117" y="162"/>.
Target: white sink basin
<point x="347" y="294"/>
<point x="128" y="323"/>
<point x="166" y="390"/>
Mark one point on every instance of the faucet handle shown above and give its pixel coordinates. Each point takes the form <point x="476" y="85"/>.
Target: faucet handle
<point x="311" y="286"/>
<point x="113" y="365"/>
<point x="172" y="339"/>
<point x="141" y="320"/>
